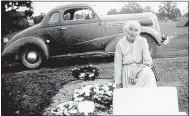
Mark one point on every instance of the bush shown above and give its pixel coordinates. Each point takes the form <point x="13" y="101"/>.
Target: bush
<point x="13" y="21"/>
<point x="38" y="19"/>
<point x="20" y="24"/>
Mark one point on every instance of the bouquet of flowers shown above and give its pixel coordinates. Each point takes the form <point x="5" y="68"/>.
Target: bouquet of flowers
<point x="89" y="72"/>
<point x="101" y="95"/>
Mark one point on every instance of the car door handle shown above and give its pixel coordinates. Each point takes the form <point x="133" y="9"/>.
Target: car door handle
<point x="63" y="28"/>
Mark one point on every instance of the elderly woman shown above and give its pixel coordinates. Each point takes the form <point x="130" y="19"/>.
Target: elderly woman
<point x="132" y="63"/>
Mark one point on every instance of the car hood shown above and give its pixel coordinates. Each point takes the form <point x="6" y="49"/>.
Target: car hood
<point x="23" y="33"/>
<point x="142" y="17"/>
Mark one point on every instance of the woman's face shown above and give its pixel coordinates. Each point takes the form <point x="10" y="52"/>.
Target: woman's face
<point x="133" y="31"/>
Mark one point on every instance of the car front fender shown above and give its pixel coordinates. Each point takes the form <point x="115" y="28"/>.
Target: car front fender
<point x="153" y="33"/>
<point x="14" y="47"/>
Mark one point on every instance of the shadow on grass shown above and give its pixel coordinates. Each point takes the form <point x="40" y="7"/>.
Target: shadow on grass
<point x="62" y="62"/>
<point x="15" y="104"/>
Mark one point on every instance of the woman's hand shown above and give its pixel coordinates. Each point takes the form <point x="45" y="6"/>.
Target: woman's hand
<point x="119" y="85"/>
<point x="132" y="80"/>
<point x="134" y="73"/>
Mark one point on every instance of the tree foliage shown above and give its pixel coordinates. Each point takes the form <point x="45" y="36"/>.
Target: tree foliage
<point x="175" y="13"/>
<point x="169" y="10"/>
<point x="112" y="11"/>
<point x="148" y="9"/>
<point x="131" y="7"/>
<point x="38" y="19"/>
<point x="10" y="8"/>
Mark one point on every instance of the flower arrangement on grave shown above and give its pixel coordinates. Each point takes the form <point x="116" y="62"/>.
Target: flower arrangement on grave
<point x="85" y="73"/>
<point x="99" y="95"/>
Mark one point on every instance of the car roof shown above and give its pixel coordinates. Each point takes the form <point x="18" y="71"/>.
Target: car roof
<point x="70" y="5"/>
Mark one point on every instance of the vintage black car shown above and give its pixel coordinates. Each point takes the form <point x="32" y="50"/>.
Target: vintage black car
<point x="76" y="28"/>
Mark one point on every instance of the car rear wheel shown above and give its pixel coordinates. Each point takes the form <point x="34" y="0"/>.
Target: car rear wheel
<point x="31" y="58"/>
<point x="152" y="45"/>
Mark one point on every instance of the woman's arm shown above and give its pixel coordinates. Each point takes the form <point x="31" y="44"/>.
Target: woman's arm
<point x="147" y="59"/>
<point x="118" y="61"/>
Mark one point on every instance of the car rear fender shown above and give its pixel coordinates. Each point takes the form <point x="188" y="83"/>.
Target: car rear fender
<point x="15" y="47"/>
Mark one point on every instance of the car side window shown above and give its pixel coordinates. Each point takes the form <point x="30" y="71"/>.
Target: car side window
<point x="54" y="17"/>
<point x="78" y="14"/>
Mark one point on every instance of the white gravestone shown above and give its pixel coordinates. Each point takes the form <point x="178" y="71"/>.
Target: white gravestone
<point x="146" y="101"/>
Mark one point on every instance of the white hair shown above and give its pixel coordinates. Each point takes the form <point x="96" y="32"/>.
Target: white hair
<point x="131" y="22"/>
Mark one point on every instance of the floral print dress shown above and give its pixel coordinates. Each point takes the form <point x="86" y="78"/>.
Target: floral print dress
<point x="129" y="57"/>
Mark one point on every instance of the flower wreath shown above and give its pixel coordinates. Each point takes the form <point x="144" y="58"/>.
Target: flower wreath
<point x="89" y="72"/>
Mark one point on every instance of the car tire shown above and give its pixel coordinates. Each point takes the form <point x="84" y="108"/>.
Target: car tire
<point x="32" y="58"/>
<point x="152" y="45"/>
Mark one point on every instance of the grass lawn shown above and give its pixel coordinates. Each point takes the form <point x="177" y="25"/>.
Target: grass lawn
<point x="29" y="92"/>
<point x="177" y="47"/>
<point x="168" y="28"/>
<point x="167" y="69"/>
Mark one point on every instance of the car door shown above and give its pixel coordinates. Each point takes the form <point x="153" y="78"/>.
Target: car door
<point x="79" y="30"/>
<point x="50" y="31"/>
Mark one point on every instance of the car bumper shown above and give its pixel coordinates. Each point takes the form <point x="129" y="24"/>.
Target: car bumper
<point x="163" y="39"/>
<point x="166" y="39"/>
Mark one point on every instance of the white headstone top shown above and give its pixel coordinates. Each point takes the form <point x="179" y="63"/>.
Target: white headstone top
<point x="146" y="101"/>
<point x="86" y="107"/>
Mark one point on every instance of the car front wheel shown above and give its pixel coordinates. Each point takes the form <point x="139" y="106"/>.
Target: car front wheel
<point x="31" y="58"/>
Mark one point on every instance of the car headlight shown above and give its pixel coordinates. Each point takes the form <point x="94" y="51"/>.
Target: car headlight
<point x="5" y="40"/>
